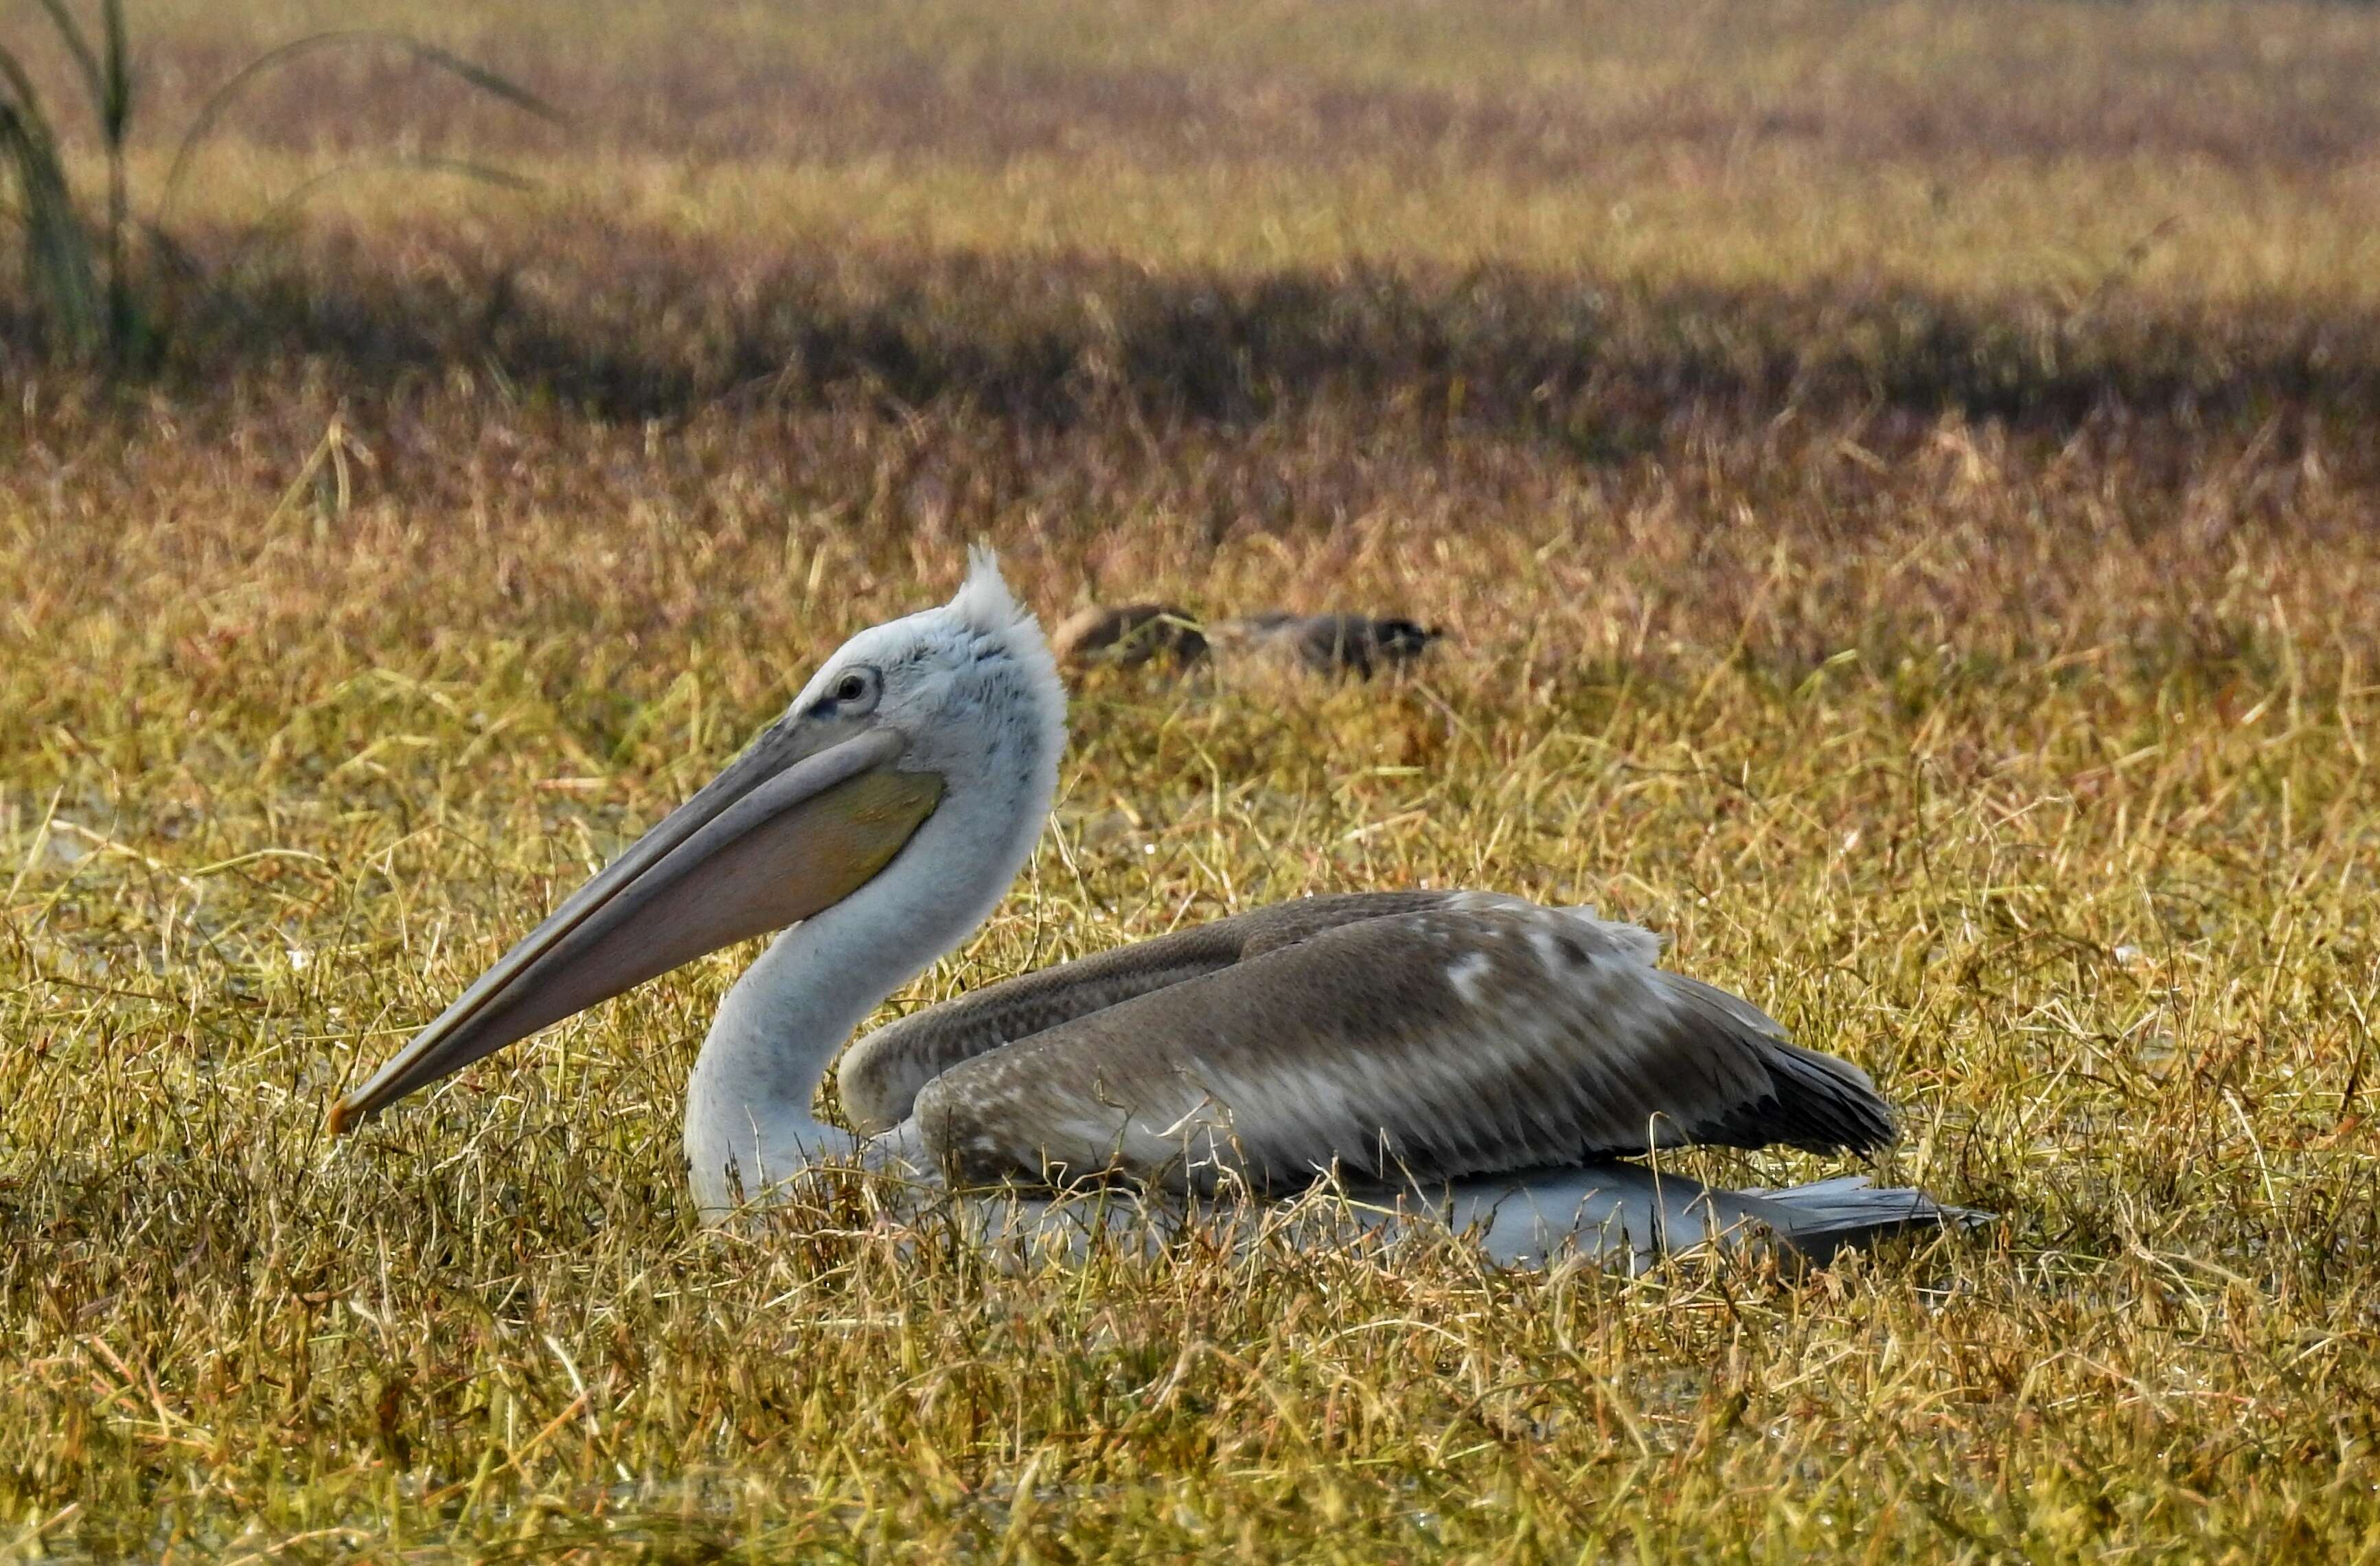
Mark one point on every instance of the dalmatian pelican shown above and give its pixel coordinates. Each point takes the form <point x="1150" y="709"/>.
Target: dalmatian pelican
<point x="1492" y="1062"/>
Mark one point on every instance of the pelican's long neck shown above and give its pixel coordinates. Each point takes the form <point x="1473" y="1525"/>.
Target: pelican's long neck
<point x="748" y="1105"/>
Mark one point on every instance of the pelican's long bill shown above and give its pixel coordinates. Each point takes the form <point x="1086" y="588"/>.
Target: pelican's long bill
<point x="790" y="828"/>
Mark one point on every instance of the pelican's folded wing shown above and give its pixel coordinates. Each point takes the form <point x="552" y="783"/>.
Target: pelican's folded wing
<point x="1470" y="1034"/>
<point x="879" y="1075"/>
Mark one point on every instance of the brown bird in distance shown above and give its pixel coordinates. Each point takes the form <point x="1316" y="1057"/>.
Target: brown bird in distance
<point x="1132" y="634"/>
<point x="1124" y="635"/>
<point x="1331" y="643"/>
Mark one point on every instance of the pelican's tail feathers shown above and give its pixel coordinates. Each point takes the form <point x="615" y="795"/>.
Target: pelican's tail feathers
<point x="1820" y="1219"/>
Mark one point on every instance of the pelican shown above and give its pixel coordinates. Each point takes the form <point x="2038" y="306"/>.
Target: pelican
<point x="1461" y="1057"/>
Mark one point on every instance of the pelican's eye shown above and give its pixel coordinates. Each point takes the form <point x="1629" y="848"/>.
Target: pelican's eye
<point x="853" y="693"/>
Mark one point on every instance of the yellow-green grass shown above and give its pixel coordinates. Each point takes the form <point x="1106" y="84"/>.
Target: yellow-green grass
<point x="1962" y="646"/>
<point x="1777" y="217"/>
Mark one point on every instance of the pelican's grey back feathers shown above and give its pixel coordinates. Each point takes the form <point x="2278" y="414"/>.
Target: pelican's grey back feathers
<point x="879" y="1077"/>
<point x="1426" y="1034"/>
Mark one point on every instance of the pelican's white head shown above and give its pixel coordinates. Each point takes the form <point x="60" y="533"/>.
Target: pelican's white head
<point x="970" y="686"/>
<point x="903" y="789"/>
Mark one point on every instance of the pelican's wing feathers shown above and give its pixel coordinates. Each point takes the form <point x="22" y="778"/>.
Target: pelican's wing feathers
<point x="1447" y="1035"/>
<point x="879" y="1075"/>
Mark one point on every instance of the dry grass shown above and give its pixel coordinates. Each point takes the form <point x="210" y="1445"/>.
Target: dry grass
<point x="1962" y="647"/>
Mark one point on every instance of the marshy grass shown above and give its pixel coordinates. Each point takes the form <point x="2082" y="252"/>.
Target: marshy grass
<point x="1976" y="672"/>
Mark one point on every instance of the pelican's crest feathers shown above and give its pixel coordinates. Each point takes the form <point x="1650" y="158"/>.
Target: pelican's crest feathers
<point x="983" y="601"/>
